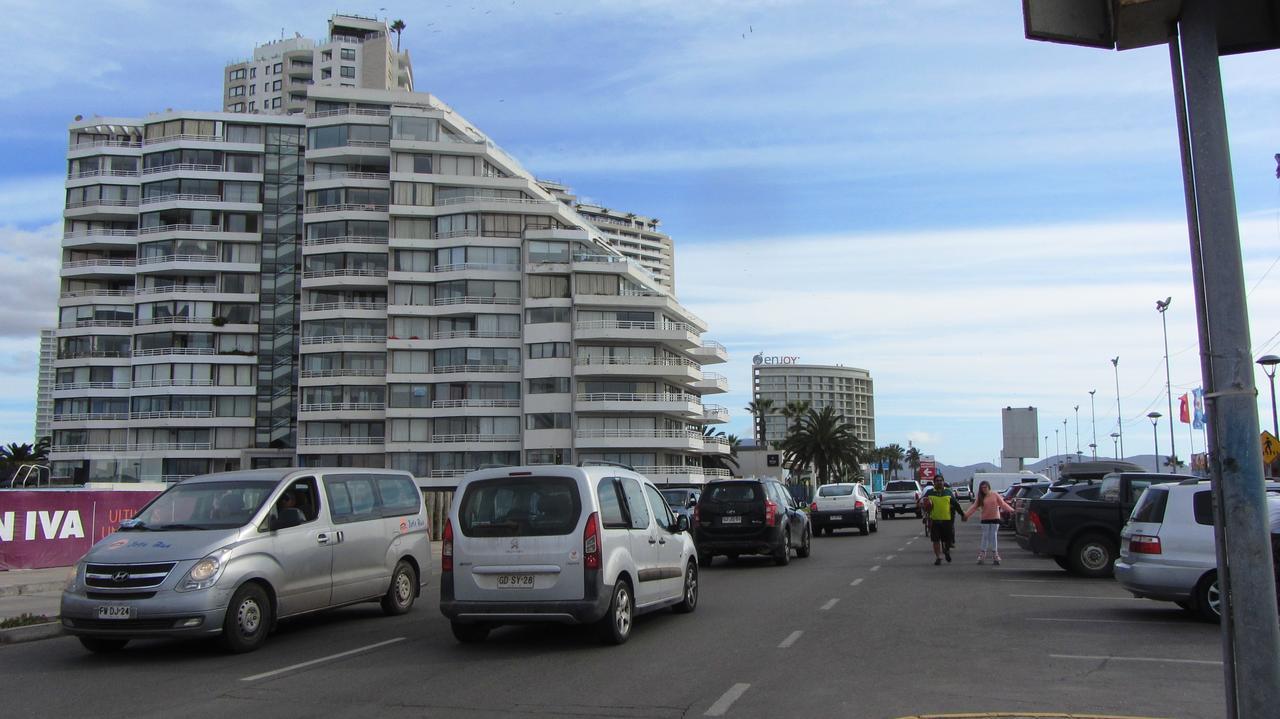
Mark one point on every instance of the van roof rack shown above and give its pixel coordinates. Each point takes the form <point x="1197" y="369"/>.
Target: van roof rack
<point x="603" y="463"/>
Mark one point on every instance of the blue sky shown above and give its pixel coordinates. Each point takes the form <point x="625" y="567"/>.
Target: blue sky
<point x="906" y="186"/>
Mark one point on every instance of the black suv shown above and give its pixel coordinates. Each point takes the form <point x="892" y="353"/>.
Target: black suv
<point x="750" y="516"/>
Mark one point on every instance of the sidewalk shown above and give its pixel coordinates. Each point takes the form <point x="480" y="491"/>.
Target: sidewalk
<point x="32" y="591"/>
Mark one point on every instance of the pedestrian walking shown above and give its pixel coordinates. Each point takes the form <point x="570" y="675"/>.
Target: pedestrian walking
<point x="942" y="510"/>
<point x="990" y="504"/>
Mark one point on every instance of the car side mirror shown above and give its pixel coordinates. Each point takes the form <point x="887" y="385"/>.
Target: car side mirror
<point x="682" y="523"/>
<point x="286" y="518"/>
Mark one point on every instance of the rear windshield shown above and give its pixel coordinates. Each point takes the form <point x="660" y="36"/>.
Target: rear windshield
<point x="676" y="497"/>
<point x="835" y="490"/>
<point x="735" y="492"/>
<point x="1150" y="508"/>
<point x="900" y="487"/>
<point x="520" y="507"/>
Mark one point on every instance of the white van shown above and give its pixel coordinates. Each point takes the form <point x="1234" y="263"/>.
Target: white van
<point x="554" y="543"/>
<point x="1000" y="481"/>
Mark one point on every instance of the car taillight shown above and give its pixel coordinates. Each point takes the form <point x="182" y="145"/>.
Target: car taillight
<point x="813" y="506"/>
<point x="1144" y="544"/>
<point x="591" y="551"/>
<point x="1036" y="526"/>
<point x="446" y="547"/>
<point x="770" y="512"/>
<point x="858" y="505"/>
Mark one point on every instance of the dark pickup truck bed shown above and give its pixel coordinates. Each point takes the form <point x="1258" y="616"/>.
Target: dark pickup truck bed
<point x="1083" y="535"/>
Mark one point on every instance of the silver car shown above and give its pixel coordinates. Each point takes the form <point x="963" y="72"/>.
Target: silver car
<point x="1167" y="549"/>
<point x="230" y="554"/>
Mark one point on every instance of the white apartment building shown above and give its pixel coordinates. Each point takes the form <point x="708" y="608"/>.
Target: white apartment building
<point x="371" y="283"/>
<point x="848" y="390"/>
<point x="358" y="52"/>
<point x="44" y="383"/>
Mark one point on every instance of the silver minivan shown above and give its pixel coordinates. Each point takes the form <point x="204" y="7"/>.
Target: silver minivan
<point x="230" y="554"/>
<point x="594" y="544"/>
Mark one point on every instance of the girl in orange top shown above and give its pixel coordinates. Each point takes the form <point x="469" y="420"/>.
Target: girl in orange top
<point x="990" y="504"/>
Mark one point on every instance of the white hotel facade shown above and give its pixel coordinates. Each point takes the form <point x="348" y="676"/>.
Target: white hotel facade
<point x="370" y="283"/>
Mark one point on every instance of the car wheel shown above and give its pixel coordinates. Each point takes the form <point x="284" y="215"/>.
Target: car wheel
<point x="248" y="620"/>
<point x="1062" y="562"/>
<point x="783" y="556"/>
<point x="403" y="590"/>
<point x="1186" y="604"/>
<point x="888" y="515"/>
<point x="875" y="526"/>
<point x="470" y="633"/>
<point x="806" y="544"/>
<point x="1208" y="598"/>
<point x="865" y="528"/>
<point x="690" y="600"/>
<point x="99" y="645"/>
<point x="615" y="626"/>
<point x="1092" y="555"/>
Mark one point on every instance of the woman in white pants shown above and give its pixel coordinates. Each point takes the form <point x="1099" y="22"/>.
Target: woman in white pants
<point x="990" y="504"/>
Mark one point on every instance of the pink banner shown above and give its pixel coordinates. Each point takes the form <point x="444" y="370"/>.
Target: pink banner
<point x="55" y="527"/>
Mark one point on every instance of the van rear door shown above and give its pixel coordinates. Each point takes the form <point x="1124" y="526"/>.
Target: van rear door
<point x="519" y="538"/>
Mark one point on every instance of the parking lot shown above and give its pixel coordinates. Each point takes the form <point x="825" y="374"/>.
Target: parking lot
<point x="866" y="627"/>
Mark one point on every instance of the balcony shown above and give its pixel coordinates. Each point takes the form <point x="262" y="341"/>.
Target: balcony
<point x="476" y="266"/>
<point x="710" y="352"/>
<point x="354" y="442"/>
<point x="714" y="414"/>
<point x="345" y="278"/>
<point x="716" y="445"/>
<point x="180" y="197"/>
<point x="344" y="339"/>
<point x="160" y="259"/>
<point x="127" y="295"/>
<point x="101" y="173"/>
<point x="182" y="227"/>
<point x="676" y="334"/>
<point x="673" y="439"/>
<point x="346" y="207"/>
<point x="181" y="138"/>
<point x="186" y="168"/>
<point x="449" y="301"/>
<point x="174" y="414"/>
<point x="475" y="334"/>
<point x="660" y="402"/>
<point x="341" y="372"/>
<point x="105" y="143"/>
<point x="179" y="289"/>
<point x="343" y="407"/>
<point x="485" y="199"/>
<point x="676" y="368"/>
<point x="76" y="324"/>
<point x="475" y="403"/>
<point x="71" y="386"/>
<point x="348" y="111"/>
<point x="92" y="417"/>
<point x="344" y="240"/>
<point x="712" y="383"/>
<point x="680" y="474"/>
<point x="375" y="176"/>
<point x="175" y="352"/>
<point x="345" y="306"/>
<point x="109" y="267"/>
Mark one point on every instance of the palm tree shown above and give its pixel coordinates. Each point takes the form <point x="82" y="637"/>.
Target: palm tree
<point x="825" y="442"/>
<point x="719" y="461"/>
<point x="793" y="411"/>
<point x="397" y="27"/>
<point x="894" y="453"/>
<point x="759" y="409"/>
<point x="913" y="461"/>
<point x="17" y="454"/>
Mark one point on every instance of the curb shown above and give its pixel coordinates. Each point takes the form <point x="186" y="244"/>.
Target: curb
<point x="35" y="588"/>
<point x="31" y="633"/>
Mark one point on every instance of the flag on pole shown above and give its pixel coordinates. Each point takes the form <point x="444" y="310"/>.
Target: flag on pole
<point x="1184" y="409"/>
<point x="1197" y="420"/>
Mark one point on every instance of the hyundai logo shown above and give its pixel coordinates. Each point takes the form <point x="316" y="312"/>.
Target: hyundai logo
<point x="120" y="577"/>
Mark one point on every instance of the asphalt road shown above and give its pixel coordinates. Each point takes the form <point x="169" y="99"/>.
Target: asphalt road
<point x="866" y="627"/>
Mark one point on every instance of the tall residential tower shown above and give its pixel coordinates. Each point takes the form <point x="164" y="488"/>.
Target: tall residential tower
<point x="848" y="390"/>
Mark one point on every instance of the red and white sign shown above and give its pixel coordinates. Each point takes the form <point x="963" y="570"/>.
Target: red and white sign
<point x="928" y="468"/>
<point x="54" y="528"/>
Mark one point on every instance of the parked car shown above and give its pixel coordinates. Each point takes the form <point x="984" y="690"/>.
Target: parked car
<point x="846" y="504"/>
<point x="1016" y="492"/>
<point x="900" y="496"/>
<point x="682" y="502"/>
<point x="590" y="544"/>
<point x="231" y="554"/>
<point x="962" y="491"/>
<point x="1087" y="489"/>
<point x="1083" y="535"/>
<point x="750" y="516"/>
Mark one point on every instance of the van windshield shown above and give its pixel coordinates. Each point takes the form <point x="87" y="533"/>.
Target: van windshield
<point x="203" y="505"/>
<point x="520" y="507"/>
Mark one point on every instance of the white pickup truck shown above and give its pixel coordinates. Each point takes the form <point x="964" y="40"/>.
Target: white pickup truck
<point x="900" y="496"/>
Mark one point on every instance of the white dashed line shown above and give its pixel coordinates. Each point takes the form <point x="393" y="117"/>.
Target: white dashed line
<point x="891" y="556"/>
<point x="830" y="603"/>
<point x="791" y="639"/>
<point x="321" y="660"/>
<point x="726" y="700"/>
<point x="1160" y="660"/>
<point x="856" y="582"/>
<point x="876" y="568"/>
<point x="902" y="549"/>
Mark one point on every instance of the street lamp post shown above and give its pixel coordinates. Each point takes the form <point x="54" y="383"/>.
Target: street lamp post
<point x="1155" y="417"/>
<point x="1115" y="364"/>
<point x="1168" y="382"/>
<point x="1077" y="430"/>
<point x="1114" y="449"/>
<point x="1269" y="363"/>
<point x="1057" y="448"/>
<point x="1093" y="422"/>
<point x="1066" y="448"/>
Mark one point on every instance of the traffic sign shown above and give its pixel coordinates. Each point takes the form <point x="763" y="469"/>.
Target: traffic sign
<point x="928" y="469"/>
<point x="1270" y="447"/>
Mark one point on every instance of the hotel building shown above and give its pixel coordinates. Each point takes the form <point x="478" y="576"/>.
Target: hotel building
<point x="846" y="389"/>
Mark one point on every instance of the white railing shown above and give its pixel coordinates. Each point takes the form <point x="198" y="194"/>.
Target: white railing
<point x="381" y="176"/>
<point x="183" y="167"/>
<point x="343" y="339"/>
<point x="458" y="267"/>
<point x="712" y="345"/>
<point x="456" y="438"/>
<point x="639" y="397"/>
<point x="100" y="262"/>
<point x="475" y="334"/>
<point x="321" y="274"/>
<point x="99" y="202"/>
<point x="463" y="199"/>
<point x="101" y="173"/>
<point x="99" y="233"/>
<point x="108" y="354"/>
<point x="181" y="136"/>
<point x="91" y="385"/>
<point x="475" y="368"/>
<point x="343" y="240"/>
<point x="180" y="197"/>
<point x="638" y="434"/>
<point x="714" y="377"/>
<point x="368" y="143"/>
<point x="348" y="111"/>
<point x="448" y="473"/>
<point x="95" y="293"/>
<point x="120" y="447"/>
<point x="179" y="289"/>
<point x="342" y="407"/>
<point x="164" y="351"/>
<point x="607" y="259"/>
<point x="710" y="409"/>
<point x="324" y="373"/>
<point x="157" y="259"/>
<point x="178" y="228"/>
<point x="148" y="383"/>
<point x="652" y="469"/>
<point x="628" y="325"/>
<point x="452" y="234"/>
<point x="642" y="293"/>
<point x="663" y="362"/>
<point x="105" y="143"/>
<point x="721" y="441"/>
<point x="91" y="417"/>
<point x="335" y="441"/>
<point x="173" y="414"/>
<point x="456" y="403"/>
<point x="443" y="301"/>
<point x="94" y="323"/>
<point x="327" y="306"/>
<point x="172" y="446"/>
<point x="175" y="320"/>
<point x="348" y="207"/>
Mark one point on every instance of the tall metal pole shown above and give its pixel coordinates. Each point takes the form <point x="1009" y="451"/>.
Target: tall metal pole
<point x="1114" y="451"/>
<point x="1161" y="307"/>
<point x="1093" y="422"/>
<point x="1155" y="419"/>
<point x="1115" y="363"/>
<point x="1250" y="633"/>
<point x="1057" y="452"/>
<point x="1077" y="430"/>
<point x="1066" y="443"/>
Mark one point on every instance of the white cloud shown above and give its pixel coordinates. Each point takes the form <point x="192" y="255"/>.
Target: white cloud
<point x="29" y="265"/>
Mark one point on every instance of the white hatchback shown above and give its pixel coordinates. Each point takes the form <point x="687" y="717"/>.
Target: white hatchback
<point x="594" y="544"/>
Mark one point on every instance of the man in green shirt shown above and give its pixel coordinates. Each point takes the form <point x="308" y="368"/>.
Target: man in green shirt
<point x="942" y="507"/>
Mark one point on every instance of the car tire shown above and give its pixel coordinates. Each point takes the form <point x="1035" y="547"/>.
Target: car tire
<point x="689" y="601"/>
<point x="101" y="645"/>
<point x="470" y="633"/>
<point x="782" y="557"/>
<point x="1208" y="599"/>
<point x="1093" y="555"/>
<point x="248" y="619"/>
<point x="706" y="559"/>
<point x="875" y="526"/>
<point x="806" y="544"/>
<point x="615" y="626"/>
<point x="402" y="592"/>
<point x="865" y="528"/>
<point x="888" y="515"/>
<point x="1062" y="562"/>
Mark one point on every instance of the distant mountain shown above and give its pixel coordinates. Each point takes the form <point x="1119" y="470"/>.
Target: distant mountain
<point x="1045" y="466"/>
<point x="962" y="474"/>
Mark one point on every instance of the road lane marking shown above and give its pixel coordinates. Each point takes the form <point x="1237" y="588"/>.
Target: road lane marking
<point x="1160" y="660"/>
<point x="1102" y="621"/>
<point x="876" y="568"/>
<point x="902" y="549"/>
<point x="891" y="556"/>
<point x="1076" y="596"/>
<point x="321" y="660"/>
<point x="791" y="639"/>
<point x="726" y="700"/>
<point x="830" y="603"/>
<point x="856" y="582"/>
<point x="1038" y="581"/>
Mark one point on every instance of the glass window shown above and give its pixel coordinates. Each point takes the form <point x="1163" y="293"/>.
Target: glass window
<point x="547" y="420"/>
<point x="611" y="514"/>
<point x="1151" y="507"/>
<point x="347" y="53"/>
<point x="636" y="506"/>
<point x="835" y="490"/>
<point x="661" y="510"/>
<point x="399" y="496"/>
<point x="1201" y="506"/>
<point x="520" y="507"/>
<point x="548" y="385"/>
<point x="346" y="71"/>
